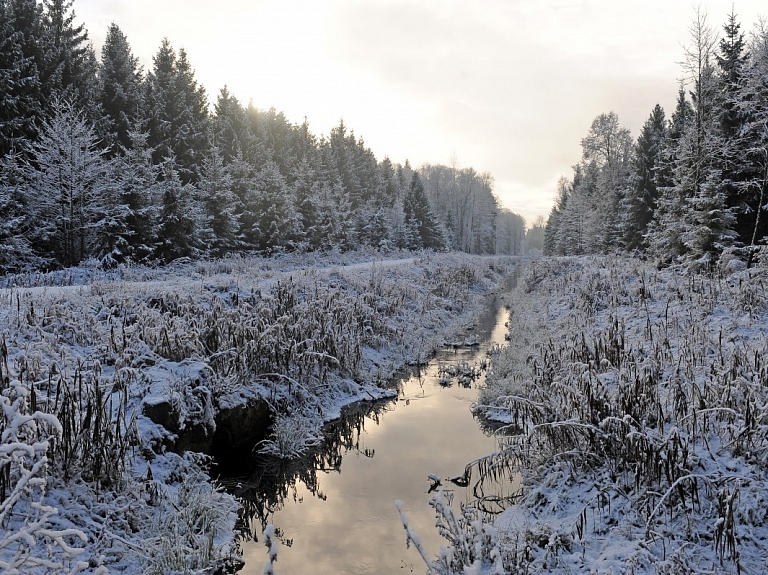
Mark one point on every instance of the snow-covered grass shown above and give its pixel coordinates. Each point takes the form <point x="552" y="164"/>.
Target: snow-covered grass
<point x="636" y="403"/>
<point x="87" y="479"/>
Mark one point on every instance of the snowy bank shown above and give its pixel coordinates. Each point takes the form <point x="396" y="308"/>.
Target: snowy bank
<point x="636" y="409"/>
<point x="89" y="481"/>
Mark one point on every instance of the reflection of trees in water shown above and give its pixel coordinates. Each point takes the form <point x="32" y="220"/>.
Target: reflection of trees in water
<point x="274" y="481"/>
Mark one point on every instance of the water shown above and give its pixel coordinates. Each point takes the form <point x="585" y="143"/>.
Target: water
<point x="335" y="510"/>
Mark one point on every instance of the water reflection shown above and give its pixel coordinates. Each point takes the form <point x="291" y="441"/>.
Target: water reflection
<point x="264" y="484"/>
<point x="406" y="448"/>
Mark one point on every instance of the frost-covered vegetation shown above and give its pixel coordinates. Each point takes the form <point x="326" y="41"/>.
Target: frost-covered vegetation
<point x="89" y="482"/>
<point x="635" y="403"/>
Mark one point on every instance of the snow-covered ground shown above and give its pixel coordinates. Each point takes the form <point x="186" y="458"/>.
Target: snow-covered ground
<point x="637" y="410"/>
<point x="89" y="483"/>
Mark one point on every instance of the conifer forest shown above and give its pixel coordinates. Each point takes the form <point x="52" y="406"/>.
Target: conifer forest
<point x="104" y="160"/>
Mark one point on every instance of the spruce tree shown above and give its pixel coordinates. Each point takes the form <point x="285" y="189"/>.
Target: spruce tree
<point x="423" y="227"/>
<point x="71" y="67"/>
<point x="639" y="204"/>
<point x="176" y="231"/>
<point x="269" y="213"/>
<point x="22" y="58"/>
<point x="119" y="90"/>
<point x="65" y="179"/>
<point x="136" y="205"/>
<point x="220" y="203"/>
<point x="694" y="221"/>
<point x="231" y="127"/>
<point x="664" y="236"/>
<point x="177" y="112"/>
<point x="16" y="224"/>
<point x="752" y="144"/>
<point x="737" y="169"/>
<point x="243" y="177"/>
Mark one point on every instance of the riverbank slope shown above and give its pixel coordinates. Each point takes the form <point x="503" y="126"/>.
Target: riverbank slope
<point x="105" y="376"/>
<point x="636" y="407"/>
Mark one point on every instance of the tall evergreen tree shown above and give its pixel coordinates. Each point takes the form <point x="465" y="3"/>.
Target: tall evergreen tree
<point x="119" y="89"/>
<point x="131" y="233"/>
<point x="22" y="53"/>
<point x="664" y="236"/>
<point x="65" y="179"/>
<point x="243" y="178"/>
<point x="639" y="204"/>
<point x="554" y="236"/>
<point x="70" y="64"/>
<point x="231" y="127"/>
<point x="269" y="214"/>
<point x="424" y="227"/>
<point x="159" y="102"/>
<point x="220" y="203"/>
<point x="178" y="214"/>
<point x="752" y="107"/>
<point x="731" y="59"/>
<point x="177" y="112"/>
<point x="17" y="227"/>
<point x="695" y="222"/>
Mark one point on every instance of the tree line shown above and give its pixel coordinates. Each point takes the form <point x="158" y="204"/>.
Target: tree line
<point x="101" y="159"/>
<point x="691" y="187"/>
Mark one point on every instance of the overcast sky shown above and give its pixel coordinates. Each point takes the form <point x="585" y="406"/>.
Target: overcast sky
<point x="507" y="87"/>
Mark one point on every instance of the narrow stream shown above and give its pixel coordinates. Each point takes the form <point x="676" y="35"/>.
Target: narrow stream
<point x="334" y="511"/>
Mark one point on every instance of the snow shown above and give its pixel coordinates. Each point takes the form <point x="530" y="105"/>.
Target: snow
<point x="93" y="482"/>
<point x="636" y="412"/>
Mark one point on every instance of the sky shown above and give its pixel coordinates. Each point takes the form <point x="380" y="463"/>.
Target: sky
<point x="508" y="87"/>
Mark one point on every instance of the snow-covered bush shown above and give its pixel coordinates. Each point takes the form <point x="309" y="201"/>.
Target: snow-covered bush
<point x="292" y="436"/>
<point x="34" y="544"/>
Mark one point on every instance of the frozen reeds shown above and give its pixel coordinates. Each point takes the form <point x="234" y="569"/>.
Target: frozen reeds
<point x="637" y="411"/>
<point x="78" y="356"/>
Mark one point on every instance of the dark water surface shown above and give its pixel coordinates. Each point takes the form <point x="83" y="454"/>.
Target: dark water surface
<point x="335" y="509"/>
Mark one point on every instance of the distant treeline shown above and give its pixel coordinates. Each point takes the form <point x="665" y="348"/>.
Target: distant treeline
<point x="102" y="159"/>
<point x="691" y="187"/>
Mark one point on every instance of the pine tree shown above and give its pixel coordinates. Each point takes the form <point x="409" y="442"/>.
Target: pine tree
<point x="119" y="89"/>
<point x="639" y="204"/>
<point x="65" y="180"/>
<point x="70" y="64"/>
<point x="219" y="233"/>
<point x="178" y="214"/>
<point x="21" y="60"/>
